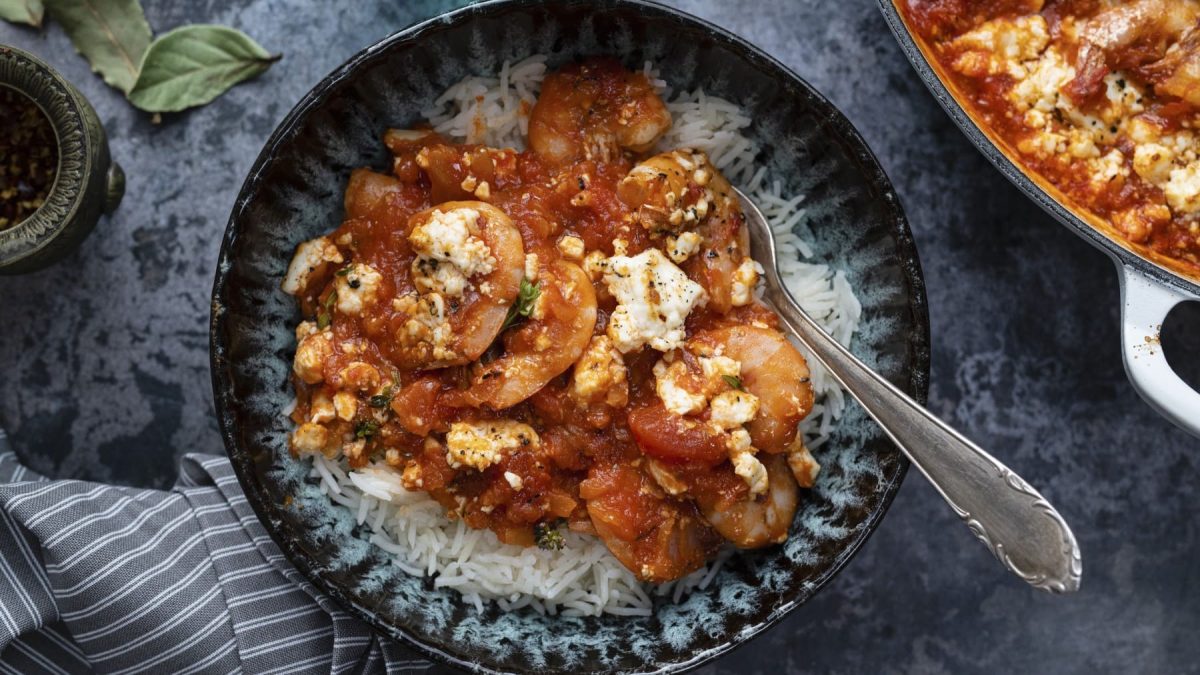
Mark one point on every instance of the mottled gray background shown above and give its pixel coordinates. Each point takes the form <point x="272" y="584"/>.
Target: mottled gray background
<point x="104" y="357"/>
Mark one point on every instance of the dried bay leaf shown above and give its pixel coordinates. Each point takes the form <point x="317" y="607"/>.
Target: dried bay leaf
<point x="22" y="11"/>
<point x="111" y="34"/>
<point x="192" y="65"/>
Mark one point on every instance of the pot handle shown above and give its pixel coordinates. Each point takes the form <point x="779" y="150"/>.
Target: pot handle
<point x="1145" y="304"/>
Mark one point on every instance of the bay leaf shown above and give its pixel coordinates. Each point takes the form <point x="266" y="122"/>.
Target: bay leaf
<point x="22" y="11"/>
<point x="111" y="34"/>
<point x="192" y="65"/>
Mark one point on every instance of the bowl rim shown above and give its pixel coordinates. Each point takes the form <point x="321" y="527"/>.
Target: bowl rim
<point x="917" y="341"/>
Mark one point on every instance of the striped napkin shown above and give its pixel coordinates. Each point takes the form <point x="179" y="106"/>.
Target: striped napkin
<point x="97" y="578"/>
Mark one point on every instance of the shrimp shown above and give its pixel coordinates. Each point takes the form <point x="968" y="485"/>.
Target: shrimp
<point x="658" y="538"/>
<point x="558" y="330"/>
<point x="754" y="523"/>
<point x="1126" y="36"/>
<point x="1178" y="72"/>
<point x="594" y="110"/>
<point x="775" y="372"/>
<point x="681" y="191"/>
<point x="450" y="317"/>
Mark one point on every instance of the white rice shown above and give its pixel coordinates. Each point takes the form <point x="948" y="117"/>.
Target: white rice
<point x="583" y="578"/>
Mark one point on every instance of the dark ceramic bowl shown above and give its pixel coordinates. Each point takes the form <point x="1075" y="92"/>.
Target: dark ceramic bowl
<point x="294" y="192"/>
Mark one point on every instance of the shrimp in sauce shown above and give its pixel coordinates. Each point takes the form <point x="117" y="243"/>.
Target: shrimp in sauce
<point x="564" y="337"/>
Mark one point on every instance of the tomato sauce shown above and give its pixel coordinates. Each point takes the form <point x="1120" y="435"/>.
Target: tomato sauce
<point x="1135" y="208"/>
<point x="596" y="466"/>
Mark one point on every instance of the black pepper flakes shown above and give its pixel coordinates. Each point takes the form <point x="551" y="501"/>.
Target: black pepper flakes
<point x="28" y="157"/>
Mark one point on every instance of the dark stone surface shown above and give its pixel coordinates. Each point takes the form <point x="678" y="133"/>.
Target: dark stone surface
<point x="105" y="363"/>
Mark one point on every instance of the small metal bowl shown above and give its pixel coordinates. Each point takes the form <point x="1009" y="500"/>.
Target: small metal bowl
<point x="87" y="184"/>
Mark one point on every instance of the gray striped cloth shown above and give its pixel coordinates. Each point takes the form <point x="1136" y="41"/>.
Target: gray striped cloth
<point x="96" y="578"/>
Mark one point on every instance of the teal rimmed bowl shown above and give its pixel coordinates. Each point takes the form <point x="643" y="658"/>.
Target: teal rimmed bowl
<point x="294" y="192"/>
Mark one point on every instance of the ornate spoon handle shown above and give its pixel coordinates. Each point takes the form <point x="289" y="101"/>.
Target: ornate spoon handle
<point x="1020" y="527"/>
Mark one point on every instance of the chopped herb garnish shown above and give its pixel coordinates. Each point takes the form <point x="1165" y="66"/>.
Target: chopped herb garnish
<point x="522" y="308"/>
<point x="366" y="429"/>
<point x="325" y="316"/>
<point x="382" y="400"/>
<point x="345" y="270"/>
<point x="548" y="537"/>
<point x="733" y="381"/>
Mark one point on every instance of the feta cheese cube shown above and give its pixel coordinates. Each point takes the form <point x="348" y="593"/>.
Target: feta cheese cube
<point x="732" y="409"/>
<point x="449" y="252"/>
<point x="654" y="298"/>
<point x="600" y="375"/>
<point x="481" y="444"/>
<point x="357" y="288"/>
<point x="745" y="278"/>
<point x="571" y="247"/>
<point x="684" y="246"/>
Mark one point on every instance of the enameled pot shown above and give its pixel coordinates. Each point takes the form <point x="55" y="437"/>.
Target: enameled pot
<point x="1149" y="288"/>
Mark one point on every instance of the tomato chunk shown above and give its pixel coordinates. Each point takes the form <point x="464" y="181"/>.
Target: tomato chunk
<point x="673" y="438"/>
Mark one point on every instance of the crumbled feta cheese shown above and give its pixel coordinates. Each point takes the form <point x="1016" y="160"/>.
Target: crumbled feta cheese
<point x="600" y="375"/>
<point x="1183" y="190"/>
<point x="514" y="481"/>
<point x="685" y="392"/>
<point x="448" y="251"/>
<point x="354" y="449"/>
<point x="427" y="332"/>
<point x="358" y="376"/>
<point x="346" y="404"/>
<point x="311" y="354"/>
<point x="531" y="267"/>
<point x="684" y="246"/>
<point x="802" y="464"/>
<point x="1124" y="97"/>
<point x="482" y="444"/>
<point x="747" y="466"/>
<point x="357" y="289"/>
<point x="745" y="277"/>
<point x="412" y="478"/>
<point x="571" y="247"/>
<point x="671" y="383"/>
<point x="310" y="258"/>
<point x="1046" y="78"/>
<point x="732" y="409"/>
<point x="320" y="408"/>
<point x="304" y="329"/>
<point x="717" y="368"/>
<point x="1108" y="167"/>
<point x="1153" y="162"/>
<point x="1001" y="45"/>
<point x="595" y="263"/>
<point x="654" y="298"/>
<point x="310" y="439"/>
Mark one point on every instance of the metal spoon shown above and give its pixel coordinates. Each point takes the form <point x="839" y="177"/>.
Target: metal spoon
<point x="1017" y="524"/>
